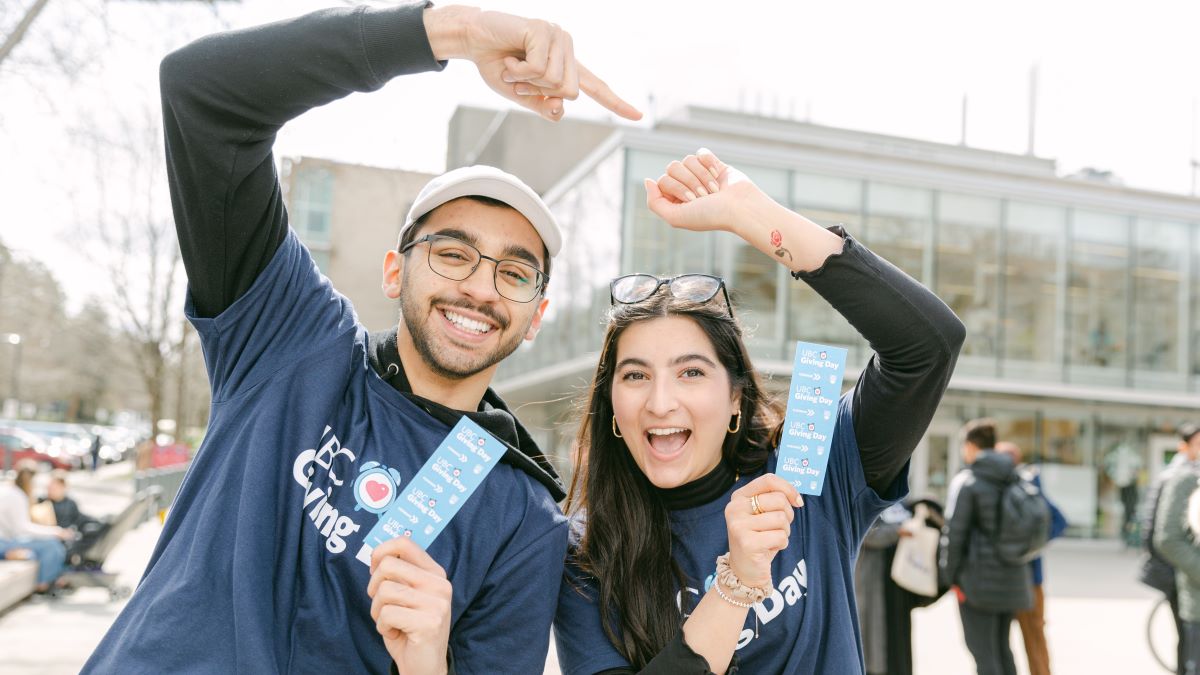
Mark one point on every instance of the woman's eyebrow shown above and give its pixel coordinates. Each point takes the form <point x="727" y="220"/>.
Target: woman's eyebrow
<point x="692" y="357"/>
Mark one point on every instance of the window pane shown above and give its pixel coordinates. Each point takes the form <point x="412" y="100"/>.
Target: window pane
<point x="827" y="192"/>
<point x="967" y="267"/>
<point x="1157" y="284"/>
<point x="1098" y="297"/>
<point x="810" y="317"/>
<point x="657" y="248"/>
<point x="751" y="277"/>
<point x="1033" y="241"/>
<point x="311" y="204"/>
<point x="321" y="258"/>
<point x="590" y="216"/>
<point x="898" y="226"/>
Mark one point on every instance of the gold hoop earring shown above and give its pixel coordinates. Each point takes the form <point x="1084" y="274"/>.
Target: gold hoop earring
<point x="614" y="425"/>
<point x="736" y="426"/>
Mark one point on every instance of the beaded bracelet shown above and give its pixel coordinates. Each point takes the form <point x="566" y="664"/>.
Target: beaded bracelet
<point x="726" y="598"/>
<point x="726" y="576"/>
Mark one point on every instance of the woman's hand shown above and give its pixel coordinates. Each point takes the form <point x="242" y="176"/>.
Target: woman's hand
<point x="700" y="192"/>
<point x="703" y="193"/>
<point x="755" y="538"/>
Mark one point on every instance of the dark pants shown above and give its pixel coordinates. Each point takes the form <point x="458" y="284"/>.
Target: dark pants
<point x="1181" y="631"/>
<point x="986" y="634"/>
<point x="1191" y="650"/>
<point x="1129" y="504"/>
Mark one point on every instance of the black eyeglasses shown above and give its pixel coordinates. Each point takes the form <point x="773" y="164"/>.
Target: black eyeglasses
<point x="634" y="288"/>
<point x="456" y="260"/>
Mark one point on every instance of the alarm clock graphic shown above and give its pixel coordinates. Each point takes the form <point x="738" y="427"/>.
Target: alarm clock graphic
<point x="375" y="488"/>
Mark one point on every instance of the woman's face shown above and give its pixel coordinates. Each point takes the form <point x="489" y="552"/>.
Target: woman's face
<point x="672" y="399"/>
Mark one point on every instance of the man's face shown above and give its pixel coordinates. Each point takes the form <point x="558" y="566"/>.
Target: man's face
<point x="969" y="452"/>
<point x="56" y="490"/>
<point x="462" y="328"/>
<point x="1191" y="448"/>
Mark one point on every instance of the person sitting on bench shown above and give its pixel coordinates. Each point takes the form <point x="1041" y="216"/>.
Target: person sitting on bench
<point x="21" y="538"/>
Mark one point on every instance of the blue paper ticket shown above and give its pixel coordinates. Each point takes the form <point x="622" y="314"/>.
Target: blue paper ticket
<point x="811" y="415"/>
<point x="439" y="490"/>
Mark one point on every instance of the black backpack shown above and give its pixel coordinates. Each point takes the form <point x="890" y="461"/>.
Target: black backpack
<point x="1022" y="521"/>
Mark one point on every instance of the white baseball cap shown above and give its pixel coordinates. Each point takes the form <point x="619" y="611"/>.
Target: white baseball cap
<point x="488" y="181"/>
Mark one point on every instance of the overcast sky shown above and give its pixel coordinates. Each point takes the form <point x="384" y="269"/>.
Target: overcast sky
<point x="1116" y="87"/>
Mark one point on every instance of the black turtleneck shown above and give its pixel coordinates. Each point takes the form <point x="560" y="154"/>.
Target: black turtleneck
<point x="701" y="491"/>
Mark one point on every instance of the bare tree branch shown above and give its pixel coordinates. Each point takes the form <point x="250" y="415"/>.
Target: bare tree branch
<point x="18" y="33"/>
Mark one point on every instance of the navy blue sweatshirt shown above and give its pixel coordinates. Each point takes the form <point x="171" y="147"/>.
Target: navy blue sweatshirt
<point x="258" y="567"/>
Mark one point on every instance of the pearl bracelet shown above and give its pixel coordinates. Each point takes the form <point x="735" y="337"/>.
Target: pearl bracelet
<point x="726" y="598"/>
<point x="736" y="588"/>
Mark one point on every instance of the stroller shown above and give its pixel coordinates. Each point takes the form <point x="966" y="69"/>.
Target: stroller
<point x="86" y="557"/>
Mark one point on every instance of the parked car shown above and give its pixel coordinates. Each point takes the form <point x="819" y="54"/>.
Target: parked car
<point x="18" y="444"/>
<point x="73" y="442"/>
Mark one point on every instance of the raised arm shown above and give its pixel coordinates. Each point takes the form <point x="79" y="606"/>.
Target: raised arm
<point x="916" y="338"/>
<point x="226" y="96"/>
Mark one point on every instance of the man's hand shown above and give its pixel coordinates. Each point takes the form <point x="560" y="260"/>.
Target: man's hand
<point x="528" y="61"/>
<point x="410" y="602"/>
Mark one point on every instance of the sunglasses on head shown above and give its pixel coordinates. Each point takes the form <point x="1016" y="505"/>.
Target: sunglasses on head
<point x="634" y="288"/>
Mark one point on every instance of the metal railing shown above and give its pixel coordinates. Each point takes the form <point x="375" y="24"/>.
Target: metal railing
<point x="167" y="481"/>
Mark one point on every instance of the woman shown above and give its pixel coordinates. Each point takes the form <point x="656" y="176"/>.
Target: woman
<point x="20" y="538"/>
<point x="884" y="607"/>
<point x="677" y="454"/>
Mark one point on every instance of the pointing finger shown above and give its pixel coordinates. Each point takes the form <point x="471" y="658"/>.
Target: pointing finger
<point x="602" y="94"/>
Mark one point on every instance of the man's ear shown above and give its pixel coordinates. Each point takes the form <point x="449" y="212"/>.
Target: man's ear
<point x="393" y="274"/>
<point x="536" y="324"/>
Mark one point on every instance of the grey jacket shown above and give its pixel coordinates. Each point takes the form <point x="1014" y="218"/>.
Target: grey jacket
<point x="1175" y="542"/>
<point x="968" y="552"/>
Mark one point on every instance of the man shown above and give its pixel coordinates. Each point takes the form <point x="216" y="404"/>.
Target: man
<point x="262" y="566"/>
<point x="1032" y="621"/>
<point x="68" y="515"/>
<point x="1123" y="464"/>
<point x="1167" y="499"/>
<point x="989" y="590"/>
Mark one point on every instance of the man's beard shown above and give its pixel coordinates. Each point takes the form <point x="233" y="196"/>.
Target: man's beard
<point x="453" y="367"/>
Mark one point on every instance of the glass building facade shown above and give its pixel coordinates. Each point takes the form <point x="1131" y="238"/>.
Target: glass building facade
<point x="1081" y="300"/>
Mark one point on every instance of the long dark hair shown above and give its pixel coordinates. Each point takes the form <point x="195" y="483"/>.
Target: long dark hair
<point x="626" y="540"/>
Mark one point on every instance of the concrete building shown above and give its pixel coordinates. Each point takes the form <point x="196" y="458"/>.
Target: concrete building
<point x="349" y="216"/>
<point x="1081" y="296"/>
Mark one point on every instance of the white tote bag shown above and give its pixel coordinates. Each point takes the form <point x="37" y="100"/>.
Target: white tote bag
<point x="915" y="567"/>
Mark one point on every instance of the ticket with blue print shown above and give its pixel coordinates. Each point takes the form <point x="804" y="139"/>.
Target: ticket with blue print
<point x="811" y="415"/>
<point x="432" y="498"/>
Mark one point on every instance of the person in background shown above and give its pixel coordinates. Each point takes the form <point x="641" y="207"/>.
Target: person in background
<point x="21" y="538"/>
<point x="1123" y="464"/>
<point x="94" y="451"/>
<point x="1032" y="621"/>
<point x="68" y="515"/>
<point x="884" y="607"/>
<point x="989" y="590"/>
<point x="1157" y="571"/>
<point x="1177" y="545"/>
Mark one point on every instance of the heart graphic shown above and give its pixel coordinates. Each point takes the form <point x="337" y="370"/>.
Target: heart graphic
<point x="376" y="490"/>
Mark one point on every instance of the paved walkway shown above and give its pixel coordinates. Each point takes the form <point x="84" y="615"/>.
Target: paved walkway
<point x="1096" y="612"/>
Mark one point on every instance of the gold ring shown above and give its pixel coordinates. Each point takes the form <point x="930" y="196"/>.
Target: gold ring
<point x="755" y="509"/>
